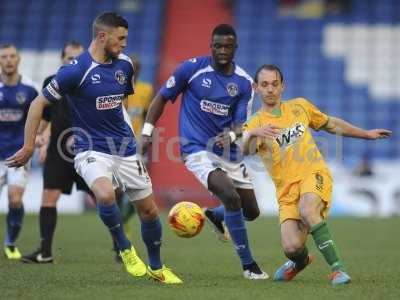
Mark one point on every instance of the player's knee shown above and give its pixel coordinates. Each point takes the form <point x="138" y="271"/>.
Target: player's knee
<point x="105" y="196"/>
<point x="231" y="201"/>
<point x="15" y="199"/>
<point x="15" y="203"/>
<point x="309" y="214"/>
<point x="148" y="213"/>
<point x="251" y="214"/>
<point x="50" y="197"/>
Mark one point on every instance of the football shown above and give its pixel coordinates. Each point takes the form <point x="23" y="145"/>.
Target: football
<point x="186" y="219"/>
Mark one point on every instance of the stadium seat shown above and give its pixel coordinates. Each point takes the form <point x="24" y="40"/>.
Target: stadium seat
<point x="300" y="46"/>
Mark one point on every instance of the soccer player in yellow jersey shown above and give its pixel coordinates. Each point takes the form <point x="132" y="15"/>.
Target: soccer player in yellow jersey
<point x="302" y="179"/>
<point x="138" y="103"/>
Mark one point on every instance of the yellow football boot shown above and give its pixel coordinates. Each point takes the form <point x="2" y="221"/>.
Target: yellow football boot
<point x="164" y="275"/>
<point x="133" y="264"/>
<point x="12" y="252"/>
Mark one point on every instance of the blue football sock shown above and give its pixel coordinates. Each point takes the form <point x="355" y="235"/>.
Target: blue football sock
<point x="151" y="235"/>
<point x="219" y="212"/>
<point x="111" y="217"/>
<point x="14" y="223"/>
<point x="237" y="229"/>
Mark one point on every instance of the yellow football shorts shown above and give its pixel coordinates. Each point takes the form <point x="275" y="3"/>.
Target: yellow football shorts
<point x="317" y="182"/>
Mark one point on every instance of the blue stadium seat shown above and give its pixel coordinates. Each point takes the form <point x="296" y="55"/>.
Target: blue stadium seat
<point x="48" y="24"/>
<point x="264" y="37"/>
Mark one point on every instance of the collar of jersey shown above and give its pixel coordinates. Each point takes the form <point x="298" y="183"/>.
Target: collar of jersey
<point x="223" y="74"/>
<point x="107" y="65"/>
<point x="276" y="112"/>
<point x="18" y="82"/>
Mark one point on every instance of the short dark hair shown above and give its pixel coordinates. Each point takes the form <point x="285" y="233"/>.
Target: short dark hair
<point x="224" y="29"/>
<point x="73" y="44"/>
<point x="269" y="68"/>
<point x="108" y="19"/>
<point x="8" y="45"/>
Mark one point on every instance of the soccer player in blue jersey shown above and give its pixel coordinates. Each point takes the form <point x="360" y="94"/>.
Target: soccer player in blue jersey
<point x="216" y="96"/>
<point x="95" y="84"/>
<point x="16" y="94"/>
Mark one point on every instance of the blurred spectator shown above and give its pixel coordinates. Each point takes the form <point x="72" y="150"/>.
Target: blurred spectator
<point x="364" y="168"/>
<point x="336" y="7"/>
<point x="312" y="8"/>
<point x="138" y="103"/>
<point x="131" y="5"/>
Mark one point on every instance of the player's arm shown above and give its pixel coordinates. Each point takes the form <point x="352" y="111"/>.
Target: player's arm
<point x="155" y="111"/>
<point x="66" y="79"/>
<point x="41" y="133"/>
<point x="250" y="137"/>
<point x="34" y="117"/>
<point x="43" y="126"/>
<point x="341" y="127"/>
<point x="175" y="85"/>
<point x="229" y="136"/>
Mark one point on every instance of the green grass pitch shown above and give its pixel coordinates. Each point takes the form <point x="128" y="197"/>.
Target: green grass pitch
<point x="85" y="269"/>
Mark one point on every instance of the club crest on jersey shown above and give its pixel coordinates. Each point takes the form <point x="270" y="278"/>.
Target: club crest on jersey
<point x="215" y="108"/>
<point x="108" y="102"/>
<point x="290" y="135"/>
<point x="120" y="77"/>
<point x="232" y="89"/>
<point x="170" y="82"/>
<point x="20" y="97"/>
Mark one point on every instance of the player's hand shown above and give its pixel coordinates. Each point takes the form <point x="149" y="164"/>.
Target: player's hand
<point x="144" y="144"/>
<point x="267" y="131"/>
<point x="375" y="134"/>
<point x="20" y="158"/>
<point x="223" y="139"/>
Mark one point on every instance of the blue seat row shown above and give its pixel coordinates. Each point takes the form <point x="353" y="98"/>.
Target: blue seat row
<point x="296" y="46"/>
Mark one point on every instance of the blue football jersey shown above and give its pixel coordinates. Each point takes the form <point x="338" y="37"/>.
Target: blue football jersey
<point x="211" y="103"/>
<point x="95" y="92"/>
<point x="14" y="107"/>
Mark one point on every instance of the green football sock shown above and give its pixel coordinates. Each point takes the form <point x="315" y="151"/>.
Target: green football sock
<point x="325" y="244"/>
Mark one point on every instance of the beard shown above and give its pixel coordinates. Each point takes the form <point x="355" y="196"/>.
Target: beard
<point x="109" y="54"/>
<point x="8" y="71"/>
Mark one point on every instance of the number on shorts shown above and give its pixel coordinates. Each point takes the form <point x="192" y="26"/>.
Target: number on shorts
<point x="245" y="174"/>
<point x="141" y="167"/>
